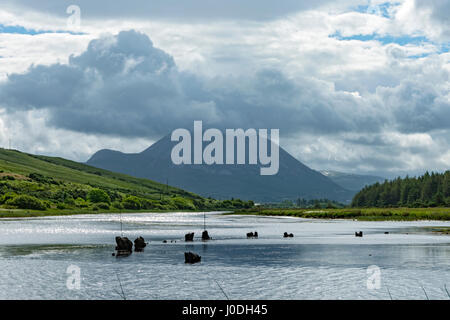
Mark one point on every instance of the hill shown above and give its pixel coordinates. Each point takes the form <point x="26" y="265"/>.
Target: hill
<point x="39" y="182"/>
<point x="294" y="180"/>
<point x="349" y="181"/>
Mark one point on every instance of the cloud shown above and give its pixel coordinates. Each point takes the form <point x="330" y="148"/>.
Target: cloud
<point x="175" y="9"/>
<point x="354" y="98"/>
<point x="27" y="131"/>
<point x="438" y="13"/>
<point x="123" y="85"/>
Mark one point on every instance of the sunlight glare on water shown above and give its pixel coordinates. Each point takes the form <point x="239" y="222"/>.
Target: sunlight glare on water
<point x="323" y="261"/>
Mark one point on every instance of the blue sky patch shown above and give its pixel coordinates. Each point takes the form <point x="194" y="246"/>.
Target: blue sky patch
<point x="381" y="9"/>
<point x="22" y="30"/>
<point x="402" y="40"/>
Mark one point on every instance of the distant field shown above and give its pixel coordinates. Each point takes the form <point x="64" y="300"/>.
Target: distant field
<point x="366" y="214"/>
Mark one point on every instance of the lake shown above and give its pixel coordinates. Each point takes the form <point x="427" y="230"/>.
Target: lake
<point x="324" y="260"/>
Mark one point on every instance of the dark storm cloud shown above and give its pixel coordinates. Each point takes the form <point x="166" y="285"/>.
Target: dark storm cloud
<point x="173" y="9"/>
<point x="123" y="85"/>
<point x="418" y="106"/>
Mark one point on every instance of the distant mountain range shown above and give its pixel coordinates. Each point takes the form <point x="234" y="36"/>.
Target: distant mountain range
<point x="352" y="182"/>
<point x="293" y="180"/>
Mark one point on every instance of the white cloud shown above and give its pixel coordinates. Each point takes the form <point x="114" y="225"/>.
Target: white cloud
<point x="373" y="101"/>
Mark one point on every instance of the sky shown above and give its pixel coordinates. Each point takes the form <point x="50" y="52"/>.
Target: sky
<point x="355" y="86"/>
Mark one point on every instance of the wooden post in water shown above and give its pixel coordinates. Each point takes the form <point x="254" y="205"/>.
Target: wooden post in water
<point x="121" y="228"/>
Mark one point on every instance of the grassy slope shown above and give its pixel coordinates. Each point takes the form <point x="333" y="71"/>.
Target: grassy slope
<point x="367" y="214"/>
<point x="70" y="171"/>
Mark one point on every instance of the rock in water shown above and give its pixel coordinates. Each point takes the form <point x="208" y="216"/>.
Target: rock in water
<point x="124" y="246"/>
<point x="139" y="244"/>
<point x="189" y="237"/>
<point x="252" y="235"/>
<point x="205" y="235"/>
<point x="192" y="258"/>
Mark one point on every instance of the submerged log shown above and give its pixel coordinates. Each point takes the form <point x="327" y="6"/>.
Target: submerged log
<point x="189" y="237"/>
<point x="124" y="246"/>
<point x="205" y="235"/>
<point x="192" y="258"/>
<point x="359" y="234"/>
<point x="139" y="244"/>
<point x="288" y="235"/>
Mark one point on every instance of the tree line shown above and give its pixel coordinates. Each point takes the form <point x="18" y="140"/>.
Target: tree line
<point x="429" y="190"/>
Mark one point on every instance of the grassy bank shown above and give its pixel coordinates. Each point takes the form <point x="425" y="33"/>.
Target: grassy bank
<point x="32" y="185"/>
<point x="364" y="214"/>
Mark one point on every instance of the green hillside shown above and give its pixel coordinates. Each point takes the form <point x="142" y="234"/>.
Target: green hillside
<point x="58" y="185"/>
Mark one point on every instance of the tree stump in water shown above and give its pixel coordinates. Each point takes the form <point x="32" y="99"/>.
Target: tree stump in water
<point x="191" y="258"/>
<point x="252" y="235"/>
<point x="205" y="235"/>
<point x="139" y="244"/>
<point x="124" y="246"/>
<point x="189" y="237"/>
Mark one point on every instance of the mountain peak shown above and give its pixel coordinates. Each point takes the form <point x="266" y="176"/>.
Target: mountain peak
<point x="294" y="179"/>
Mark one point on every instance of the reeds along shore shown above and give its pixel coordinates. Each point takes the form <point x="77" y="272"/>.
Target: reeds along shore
<point x="367" y="214"/>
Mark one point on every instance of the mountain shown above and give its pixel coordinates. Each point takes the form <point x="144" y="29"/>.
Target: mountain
<point x="293" y="180"/>
<point x="349" y="181"/>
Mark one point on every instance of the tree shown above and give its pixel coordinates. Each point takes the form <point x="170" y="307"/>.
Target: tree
<point x="428" y="190"/>
<point x="26" y="202"/>
<point x="98" y="195"/>
<point x="132" y="203"/>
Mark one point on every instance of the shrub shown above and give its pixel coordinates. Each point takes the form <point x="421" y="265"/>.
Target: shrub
<point x="148" y="204"/>
<point x="98" y="195"/>
<point x="26" y="202"/>
<point x="183" y="204"/>
<point x="102" y="205"/>
<point x="69" y="201"/>
<point x="38" y="177"/>
<point x="6" y="197"/>
<point x="81" y="203"/>
<point x="132" y="203"/>
<point x="117" y="205"/>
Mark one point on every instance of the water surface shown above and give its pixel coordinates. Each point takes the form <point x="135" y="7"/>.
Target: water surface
<point x="323" y="261"/>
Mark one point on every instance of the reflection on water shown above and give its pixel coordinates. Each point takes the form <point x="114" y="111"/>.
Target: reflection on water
<point x="323" y="261"/>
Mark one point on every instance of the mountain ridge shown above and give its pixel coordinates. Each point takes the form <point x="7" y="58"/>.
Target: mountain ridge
<point x="294" y="179"/>
<point x="352" y="181"/>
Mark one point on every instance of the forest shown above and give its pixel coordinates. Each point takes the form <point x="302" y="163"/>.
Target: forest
<point x="428" y="190"/>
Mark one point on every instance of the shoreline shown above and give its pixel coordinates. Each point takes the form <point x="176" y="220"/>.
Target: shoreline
<point x="363" y="214"/>
<point x="22" y="213"/>
<point x="359" y="214"/>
